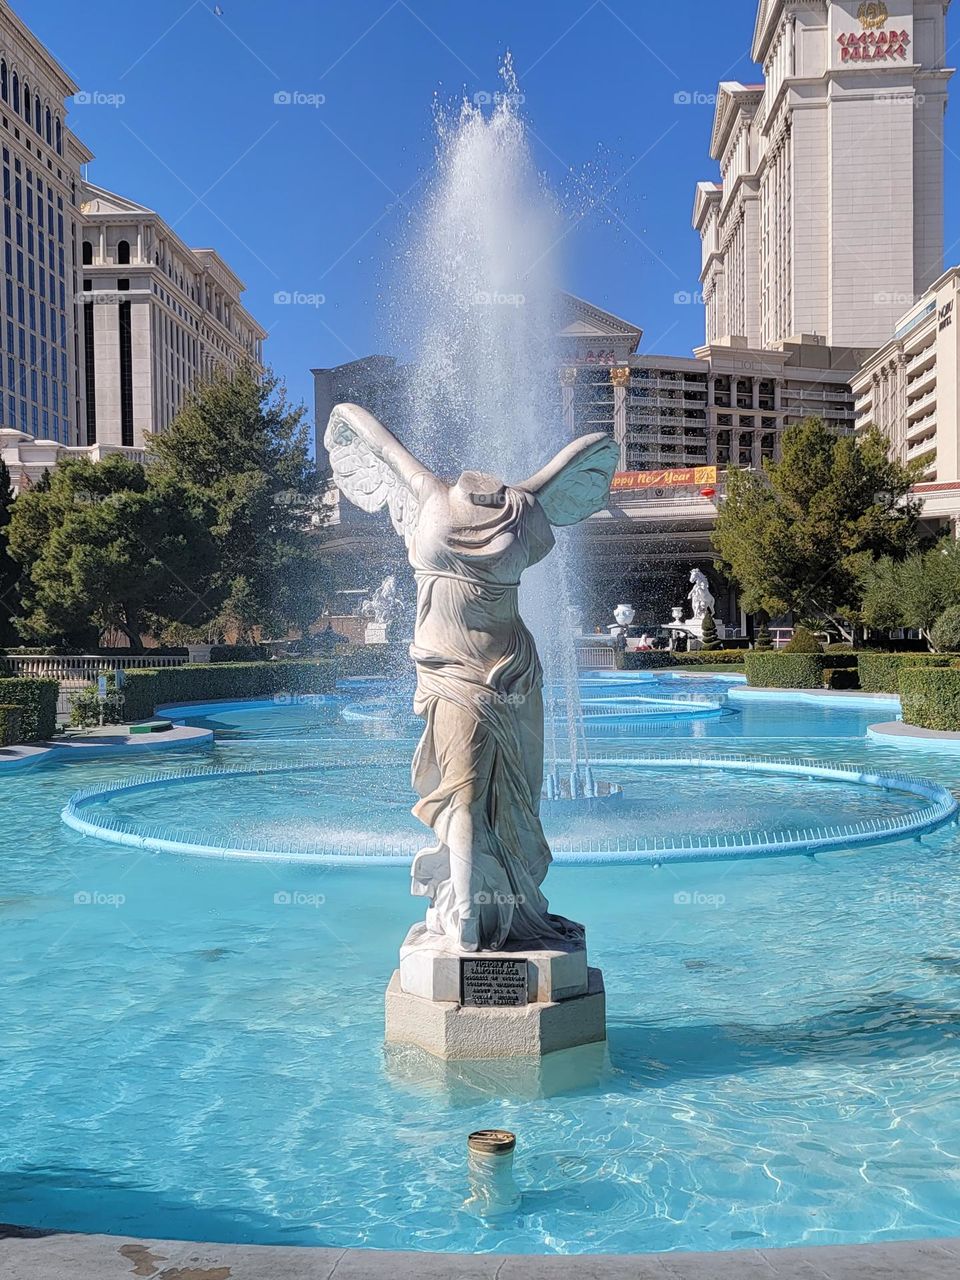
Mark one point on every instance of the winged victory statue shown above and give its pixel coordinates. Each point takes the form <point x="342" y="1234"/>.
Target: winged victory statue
<point x="478" y="769"/>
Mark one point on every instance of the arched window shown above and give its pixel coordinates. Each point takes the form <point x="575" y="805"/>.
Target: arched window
<point x="27" y="100"/>
<point x="87" y="253"/>
<point x="4" y="86"/>
<point x="16" y="92"/>
<point x="59" y="137"/>
<point x="123" y="252"/>
<point x="49" y="128"/>
<point x="37" y="115"/>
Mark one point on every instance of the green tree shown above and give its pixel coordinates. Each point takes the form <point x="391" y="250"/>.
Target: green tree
<point x="945" y="632"/>
<point x="763" y="642"/>
<point x="101" y="546"/>
<point x="801" y="535"/>
<point x="802" y="641"/>
<point x="9" y="570"/>
<point x="914" y="592"/>
<point x="244" y="452"/>
<point x="709" y="639"/>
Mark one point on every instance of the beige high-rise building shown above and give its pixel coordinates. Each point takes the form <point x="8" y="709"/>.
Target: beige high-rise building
<point x="157" y="317"/>
<point x="41" y="395"/>
<point x="910" y="389"/>
<point x="828" y="218"/>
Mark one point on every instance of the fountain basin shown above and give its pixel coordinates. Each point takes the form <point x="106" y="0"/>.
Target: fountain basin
<point x="673" y="809"/>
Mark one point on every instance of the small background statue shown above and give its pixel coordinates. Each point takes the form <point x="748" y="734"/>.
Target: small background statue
<point x="700" y="596"/>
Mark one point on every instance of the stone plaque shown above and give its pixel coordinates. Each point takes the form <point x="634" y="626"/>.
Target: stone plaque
<point x="493" y="983"/>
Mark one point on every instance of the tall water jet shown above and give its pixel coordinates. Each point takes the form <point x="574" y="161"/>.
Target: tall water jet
<point x="481" y="312"/>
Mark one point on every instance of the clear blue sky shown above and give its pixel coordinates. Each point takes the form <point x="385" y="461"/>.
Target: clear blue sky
<point x="309" y="198"/>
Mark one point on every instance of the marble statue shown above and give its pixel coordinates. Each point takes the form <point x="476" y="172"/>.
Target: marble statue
<point x="385" y="604"/>
<point x="700" y="597"/>
<point x="478" y="769"/>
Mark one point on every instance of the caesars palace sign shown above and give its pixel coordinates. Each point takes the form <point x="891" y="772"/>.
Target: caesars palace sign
<point x="874" y="43"/>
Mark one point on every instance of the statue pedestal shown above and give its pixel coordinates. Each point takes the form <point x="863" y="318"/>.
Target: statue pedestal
<point x="515" y="1003"/>
<point x="375" y="633"/>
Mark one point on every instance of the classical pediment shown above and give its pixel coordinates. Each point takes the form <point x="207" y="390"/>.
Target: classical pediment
<point x="587" y="323"/>
<point x="99" y="200"/>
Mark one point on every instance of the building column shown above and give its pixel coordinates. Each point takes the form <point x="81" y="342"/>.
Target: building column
<point x="620" y="377"/>
<point x="568" y="380"/>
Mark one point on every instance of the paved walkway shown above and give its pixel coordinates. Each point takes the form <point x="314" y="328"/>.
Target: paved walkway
<point x="33" y="1256"/>
<point x="896" y="733"/>
<point x="110" y="739"/>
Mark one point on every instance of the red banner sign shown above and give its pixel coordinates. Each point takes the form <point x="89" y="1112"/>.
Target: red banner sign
<point x="873" y="46"/>
<point x="673" y="478"/>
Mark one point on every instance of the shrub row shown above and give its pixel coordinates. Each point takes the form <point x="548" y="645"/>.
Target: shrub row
<point x="239" y="653"/>
<point x="880" y="672"/>
<point x="709" y="658"/>
<point x="10" y="725"/>
<point x="648" y="660"/>
<point x="145" y="690"/>
<point x="781" y="670"/>
<point x="930" y="697"/>
<point x="37" y="700"/>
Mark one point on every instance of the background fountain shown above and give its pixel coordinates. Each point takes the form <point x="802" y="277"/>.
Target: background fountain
<point x="480" y="306"/>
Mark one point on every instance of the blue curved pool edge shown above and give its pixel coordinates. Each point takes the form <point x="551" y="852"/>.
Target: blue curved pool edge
<point x="942" y="807"/>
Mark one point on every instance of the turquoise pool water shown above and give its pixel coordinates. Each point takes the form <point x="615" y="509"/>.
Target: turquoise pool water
<point x="193" y="1048"/>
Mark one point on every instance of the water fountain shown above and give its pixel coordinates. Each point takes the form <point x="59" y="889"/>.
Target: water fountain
<point x="480" y="307"/>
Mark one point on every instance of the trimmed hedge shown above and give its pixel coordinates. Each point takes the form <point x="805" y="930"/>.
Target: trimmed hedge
<point x="880" y="672"/>
<point x="239" y="653"/>
<point x="648" y="660"/>
<point x="782" y="670"/>
<point x="709" y="658"/>
<point x="37" y="700"/>
<point x="930" y="697"/>
<point x="10" y="725"/>
<point x="145" y="690"/>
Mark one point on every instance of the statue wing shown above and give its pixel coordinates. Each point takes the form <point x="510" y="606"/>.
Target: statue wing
<point x="373" y="469"/>
<point x="577" y="482"/>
